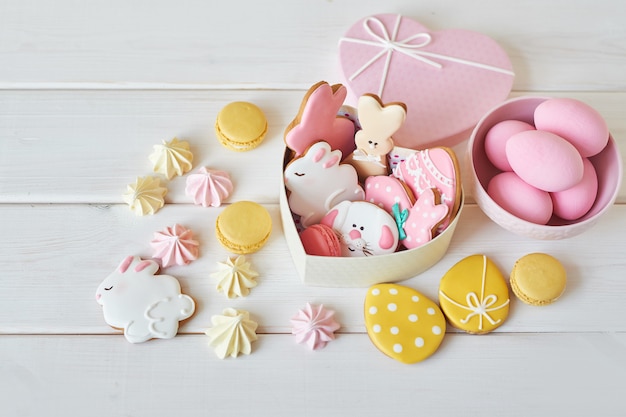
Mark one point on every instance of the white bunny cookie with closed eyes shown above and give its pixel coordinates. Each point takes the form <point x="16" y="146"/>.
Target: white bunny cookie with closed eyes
<point x="374" y="141"/>
<point x="317" y="181"/>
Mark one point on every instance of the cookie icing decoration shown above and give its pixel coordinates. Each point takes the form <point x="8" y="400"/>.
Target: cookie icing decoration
<point x="317" y="181"/>
<point x="232" y="333"/>
<point x="433" y="168"/>
<point x="373" y="141"/>
<point x="145" y="196"/>
<point x="318" y="119"/>
<point x="435" y="73"/>
<point x="144" y="305"/>
<point x="365" y="229"/>
<point x="171" y="158"/>
<point x="236" y="277"/>
<point x="314" y="326"/>
<point x="423" y="219"/>
<point x="175" y="245"/>
<point x="474" y="295"/>
<point x="403" y="323"/>
<point x="208" y="187"/>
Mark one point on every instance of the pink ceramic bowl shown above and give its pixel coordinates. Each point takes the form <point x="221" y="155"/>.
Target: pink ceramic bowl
<point x="607" y="163"/>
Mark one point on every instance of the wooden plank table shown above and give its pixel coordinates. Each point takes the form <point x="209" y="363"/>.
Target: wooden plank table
<point x="86" y="90"/>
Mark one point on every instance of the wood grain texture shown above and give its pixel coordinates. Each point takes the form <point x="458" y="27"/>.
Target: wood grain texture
<point x="516" y="375"/>
<point x="88" y="88"/>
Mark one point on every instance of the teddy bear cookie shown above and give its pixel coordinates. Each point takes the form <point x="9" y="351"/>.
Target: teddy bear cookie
<point x="474" y="296"/>
<point x="317" y="181"/>
<point x="146" y="306"/>
<point x="373" y="141"/>
<point x="364" y="228"/>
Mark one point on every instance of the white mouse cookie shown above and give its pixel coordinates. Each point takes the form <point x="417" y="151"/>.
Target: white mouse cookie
<point x="364" y="228"/>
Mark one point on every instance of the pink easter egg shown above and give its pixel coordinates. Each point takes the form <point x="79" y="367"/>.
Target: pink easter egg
<point x="575" y="202"/>
<point x="575" y="121"/>
<point x="519" y="198"/>
<point x="496" y="138"/>
<point x="544" y="160"/>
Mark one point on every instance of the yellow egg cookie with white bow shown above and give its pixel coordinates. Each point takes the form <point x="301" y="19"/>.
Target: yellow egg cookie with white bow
<point x="403" y="323"/>
<point x="474" y="296"/>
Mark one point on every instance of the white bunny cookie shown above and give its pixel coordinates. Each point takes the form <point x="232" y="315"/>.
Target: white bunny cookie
<point x="317" y="182"/>
<point x="378" y="123"/>
<point x="143" y="304"/>
<point x="364" y="228"/>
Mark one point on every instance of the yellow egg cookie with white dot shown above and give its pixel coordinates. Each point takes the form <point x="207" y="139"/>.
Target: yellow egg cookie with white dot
<point x="474" y="296"/>
<point x="403" y="323"/>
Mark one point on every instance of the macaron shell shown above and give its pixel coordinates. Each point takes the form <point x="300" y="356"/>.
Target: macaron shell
<point x="575" y="121"/>
<point x="496" y="138"/>
<point x="241" y="126"/>
<point x="320" y="240"/>
<point x="544" y="160"/>
<point x="538" y="279"/>
<point x="575" y="202"/>
<point x="519" y="198"/>
<point x="243" y="227"/>
<point x="474" y="296"/>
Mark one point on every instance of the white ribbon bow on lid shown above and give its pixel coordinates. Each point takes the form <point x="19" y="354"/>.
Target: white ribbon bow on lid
<point x="390" y="44"/>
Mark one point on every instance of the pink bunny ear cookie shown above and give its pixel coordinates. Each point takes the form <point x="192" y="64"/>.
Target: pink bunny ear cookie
<point x="433" y="168"/>
<point x="373" y="142"/>
<point x="317" y="181"/>
<point x="318" y="120"/>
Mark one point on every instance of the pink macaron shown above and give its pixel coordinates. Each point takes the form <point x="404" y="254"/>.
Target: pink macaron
<point x="320" y="240"/>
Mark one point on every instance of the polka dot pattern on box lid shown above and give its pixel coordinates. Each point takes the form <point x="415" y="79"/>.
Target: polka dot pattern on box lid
<point x="403" y="323"/>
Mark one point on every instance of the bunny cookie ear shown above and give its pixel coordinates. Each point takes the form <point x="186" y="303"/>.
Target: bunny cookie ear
<point x="318" y="120"/>
<point x="380" y="120"/>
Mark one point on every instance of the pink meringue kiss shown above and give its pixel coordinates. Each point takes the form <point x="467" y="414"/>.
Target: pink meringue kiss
<point x="209" y="187"/>
<point x="314" y="325"/>
<point x="175" y="246"/>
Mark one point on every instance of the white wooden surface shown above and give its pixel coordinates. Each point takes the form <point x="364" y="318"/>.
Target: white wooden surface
<point x="86" y="89"/>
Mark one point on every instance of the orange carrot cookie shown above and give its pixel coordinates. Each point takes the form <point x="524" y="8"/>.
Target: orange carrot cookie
<point x="538" y="279"/>
<point x="474" y="296"/>
<point x="403" y="323"/>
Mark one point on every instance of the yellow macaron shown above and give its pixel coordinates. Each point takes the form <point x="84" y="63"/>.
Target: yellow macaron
<point x="538" y="279"/>
<point x="243" y="227"/>
<point x="240" y="126"/>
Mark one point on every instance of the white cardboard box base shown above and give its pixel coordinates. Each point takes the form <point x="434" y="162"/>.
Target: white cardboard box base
<point x="328" y="271"/>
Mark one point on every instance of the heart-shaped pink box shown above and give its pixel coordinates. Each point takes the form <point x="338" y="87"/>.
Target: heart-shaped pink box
<point x="448" y="79"/>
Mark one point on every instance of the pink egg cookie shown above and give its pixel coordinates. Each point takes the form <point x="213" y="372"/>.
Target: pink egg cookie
<point x="317" y="182"/>
<point x="496" y="138"/>
<point x="385" y="191"/>
<point x="519" y="198"/>
<point x="575" y="202"/>
<point x="365" y="228"/>
<point x="318" y="119"/>
<point x="433" y="168"/>
<point x="575" y="121"/>
<point x="320" y="240"/>
<point x="544" y="160"/>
